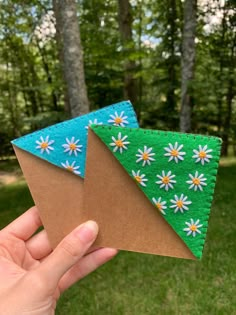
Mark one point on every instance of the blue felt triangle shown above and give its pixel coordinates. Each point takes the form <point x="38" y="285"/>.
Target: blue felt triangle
<point x="65" y="144"/>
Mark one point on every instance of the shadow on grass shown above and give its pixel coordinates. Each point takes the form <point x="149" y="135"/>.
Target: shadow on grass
<point x="14" y="200"/>
<point x="141" y="284"/>
<point x="10" y="165"/>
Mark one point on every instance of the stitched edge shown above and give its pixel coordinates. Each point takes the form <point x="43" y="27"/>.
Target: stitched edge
<point x="207" y="206"/>
<point x="161" y="132"/>
<point x="83" y="117"/>
<point x="124" y="105"/>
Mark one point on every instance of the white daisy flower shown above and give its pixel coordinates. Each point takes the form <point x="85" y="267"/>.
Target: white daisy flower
<point x="145" y="156"/>
<point x="72" y="146"/>
<point x="140" y="178"/>
<point x="202" y="154"/>
<point x="197" y="181"/>
<point x="161" y="205"/>
<point x="95" y="122"/>
<point x="118" y="119"/>
<point x="71" y="167"/>
<point x="119" y="143"/>
<point x="180" y="203"/>
<point x="45" y="145"/>
<point x="193" y="228"/>
<point x="174" y="152"/>
<point x="166" y="180"/>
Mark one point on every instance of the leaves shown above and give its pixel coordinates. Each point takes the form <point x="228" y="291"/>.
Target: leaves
<point x="31" y="83"/>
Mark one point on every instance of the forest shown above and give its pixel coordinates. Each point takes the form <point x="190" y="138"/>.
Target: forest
<point x="175" y="60"/>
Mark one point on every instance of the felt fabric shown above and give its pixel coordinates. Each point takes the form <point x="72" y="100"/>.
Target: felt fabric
<point x="176" y="172"/>
<point x="64" y="144"/>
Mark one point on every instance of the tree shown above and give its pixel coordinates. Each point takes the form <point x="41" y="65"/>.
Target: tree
<point x="187" y="64"/>
<point x="73" y="67"/>
<point x="214" y="111"/>
<point x="103" y="56"/>
<point x="171" y="41"/>
<point x="125" y="25"/>
<point x="164" y="30"/>
<point x="143" y="49"/>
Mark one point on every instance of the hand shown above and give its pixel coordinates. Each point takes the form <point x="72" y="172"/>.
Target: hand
<point x="32" y="276"/>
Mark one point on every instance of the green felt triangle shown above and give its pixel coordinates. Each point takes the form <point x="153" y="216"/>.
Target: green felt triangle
<point x="177" y="173"/>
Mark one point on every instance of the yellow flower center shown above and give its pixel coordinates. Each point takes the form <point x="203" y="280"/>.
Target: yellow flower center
<point x="72" y="146"/>
<point x="193" y="228"/>
<point x="179" y="203"/>
<point x="70" y="168"/>
<point x="145" y="156"/>
<point x="118" y="120"/>
<point x="202" y="154"/>
<point x="138" y="179"/>
<point x="174" y="153"/>
<point x="44" y="145"/>
<point x="119" y="143"/>
<point x="196" y="181"/>
<point x="165" y="180"/>
<point x="159" y="206"/>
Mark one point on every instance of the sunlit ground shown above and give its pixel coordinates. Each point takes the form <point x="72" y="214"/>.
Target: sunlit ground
<point x="140" y="284"/>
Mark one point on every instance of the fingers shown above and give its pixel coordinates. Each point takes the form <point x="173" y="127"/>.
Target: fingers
<point x="67" y="253"/>
<point x="85" y="266"/>
<point x="39" y="246"/>
<point x="24" y="226"/>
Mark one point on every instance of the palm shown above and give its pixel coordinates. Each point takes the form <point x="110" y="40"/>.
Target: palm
<point x="18" y="257"/>
<point x="32" y="276"/>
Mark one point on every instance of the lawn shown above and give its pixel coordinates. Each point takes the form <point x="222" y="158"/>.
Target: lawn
<point x="140" y="284"/>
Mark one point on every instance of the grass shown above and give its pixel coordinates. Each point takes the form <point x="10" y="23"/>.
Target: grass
<point x="9" y="165"/>
<point x="14" y="200"/>
<point x="140" y="284"/>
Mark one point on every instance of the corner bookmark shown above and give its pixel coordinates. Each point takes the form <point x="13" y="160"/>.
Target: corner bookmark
<point x="176" y="172"/>
<point x="64" y="144"/>
<point x="53" y="163"/>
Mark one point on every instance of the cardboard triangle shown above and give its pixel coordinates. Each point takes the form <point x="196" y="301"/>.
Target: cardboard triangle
<point x="58" y="194"/>
<point x="175" y="171"/>
<point x="126" y="218"/>
<point x="64" y="144"/>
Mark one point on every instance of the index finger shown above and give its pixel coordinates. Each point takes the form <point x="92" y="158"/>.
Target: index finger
<point x="24" y="226"/>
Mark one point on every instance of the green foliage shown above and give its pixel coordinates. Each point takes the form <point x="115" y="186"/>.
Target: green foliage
<point x="14" y="200"/>
<point x="31" y="84"/>
<point x="102" y="57"/>
<point x="215" y="73"/>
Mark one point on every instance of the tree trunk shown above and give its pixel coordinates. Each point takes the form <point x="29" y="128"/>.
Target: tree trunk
<point x="187" y="64"/>
<point x="139" y="93"/>
<point x="12" y="102"/>
<point x="229" y="100"/>
<point x="60" y="56"/>
<point x="228" y="118"/>
<point x="171" y="62"/>
<point x="49" y="77"/>
<point x="73" y="67"/>
<point x="125" y="25"/>
<point x="220" y="79"/>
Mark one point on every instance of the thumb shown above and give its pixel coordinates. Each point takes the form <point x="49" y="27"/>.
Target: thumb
<point x="68" y="253"/>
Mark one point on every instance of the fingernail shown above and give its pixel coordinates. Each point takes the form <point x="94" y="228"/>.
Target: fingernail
<point x="88" y="231"/>
<point x="111" y="252"/>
